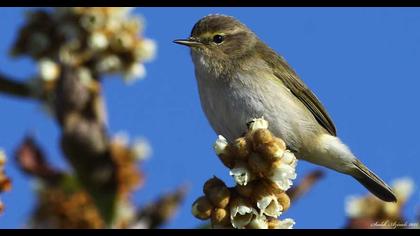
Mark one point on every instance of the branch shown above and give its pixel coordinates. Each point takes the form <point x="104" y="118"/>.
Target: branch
<point x="84" y="139"/>
<point x="14" y="88"/>
<point x="32" y="161"/>
<point x="305" y="184"/>
<point x="159" y="212"/>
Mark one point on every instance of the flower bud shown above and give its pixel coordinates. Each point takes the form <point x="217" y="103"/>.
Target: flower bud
<point x="2" y="157"/>
<point x="241" y="148"/>
<point x="271" y="151"/>
<point x="245" y="190"/>
<point x="258" y="164"/>
<point x="280" y="142"/>
<point x="217" y="192"/>
<point x="220" y="216"/>
<point x="5" y="183"/>
<point x="212" y="183"/>
<point x="202" y="208"/>
<point x="227" y="159"/>
<point x="284" y="200"/>
<point x="124" y="40"/>
<point x="261" y="137"/>
<point x="219" y="197"/>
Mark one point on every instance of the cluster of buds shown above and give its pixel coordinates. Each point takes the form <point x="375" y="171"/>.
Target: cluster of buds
<point x="97" y="40"/>
<point x="67" y="206"/>
<point x="64" y="209"/>
<point x="160" y="211"/>
<point x="58" y="208"/>
<point x="5" y="183"/>
<point x="262" y="169"/>
<point x="368" y="211"/>
<point x="126" y="156"/>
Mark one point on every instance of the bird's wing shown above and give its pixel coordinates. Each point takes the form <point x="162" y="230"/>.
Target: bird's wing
<point x="298" y="88"/>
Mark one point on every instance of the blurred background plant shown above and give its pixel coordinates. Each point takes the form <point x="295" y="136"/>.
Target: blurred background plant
<point x="74" y="48"/>
<point x="365" y="212"/>
<point x="5" y="183"/>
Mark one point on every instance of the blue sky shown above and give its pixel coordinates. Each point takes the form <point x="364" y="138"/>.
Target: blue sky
<point x="363" y="64"/>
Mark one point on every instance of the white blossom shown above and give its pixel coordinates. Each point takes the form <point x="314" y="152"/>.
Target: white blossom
<point x="141" y="148"/>
<point x="282" y="175"/>
<point x="220" y="144"/>
<point x="147" y="51"/>
<point x="287" y="223"/>
<point x="121" y="12"/>
<point x="270" y="206"/>
<point x="354" y="206"/>
<point x="289" y="158"/>
<point x="258" y="222"/>
<point x="125" y="212"/>
<point x="241" y="174"/>
<point x="135" y="71"/>
<point x="258" y="123"/>
<point x="98" y="41"/>
<point x="121" y="138"/>
<point x="48" y="70"/>
<point x="108" y="63"/>
<point x="141" y="224"/>
<point x="241" y="213"/>
<point x="403" y="188"/>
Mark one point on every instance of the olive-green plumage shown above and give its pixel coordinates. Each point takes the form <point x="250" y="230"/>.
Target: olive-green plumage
<point x="239" y="78"/>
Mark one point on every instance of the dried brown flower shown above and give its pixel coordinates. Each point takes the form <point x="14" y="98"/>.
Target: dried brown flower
<point x="262" y="169"/>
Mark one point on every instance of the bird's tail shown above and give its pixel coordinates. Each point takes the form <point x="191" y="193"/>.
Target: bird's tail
<point x="334" y="154"/>
<point x="372" y="182"/>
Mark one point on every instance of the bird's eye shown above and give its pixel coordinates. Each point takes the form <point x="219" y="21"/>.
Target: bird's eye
<point x="218" y="38"/>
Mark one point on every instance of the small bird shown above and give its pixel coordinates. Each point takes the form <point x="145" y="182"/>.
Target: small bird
<point x="240" y="78"/>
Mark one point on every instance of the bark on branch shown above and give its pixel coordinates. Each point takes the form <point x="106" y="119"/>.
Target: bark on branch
<point x="13" y="87"/>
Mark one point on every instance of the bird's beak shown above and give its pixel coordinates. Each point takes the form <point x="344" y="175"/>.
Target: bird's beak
<point x="191" y="42"/>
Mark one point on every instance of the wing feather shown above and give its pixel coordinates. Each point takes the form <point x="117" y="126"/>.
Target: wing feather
<point x="290" y="79"/>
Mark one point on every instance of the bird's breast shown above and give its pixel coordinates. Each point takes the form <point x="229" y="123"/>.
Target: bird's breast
<point x="229" y="103"/>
